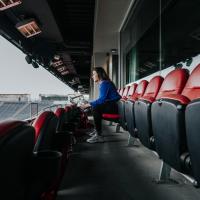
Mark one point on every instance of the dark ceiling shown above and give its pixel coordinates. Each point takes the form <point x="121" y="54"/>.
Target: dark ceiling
<point x="67" y="31"/>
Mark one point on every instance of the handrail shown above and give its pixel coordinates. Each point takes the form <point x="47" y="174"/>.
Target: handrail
<point x="76" y="96"/>
<point x="32" y="118"/>
<point x="31" y="110"/>
<point x="49" y="107"/>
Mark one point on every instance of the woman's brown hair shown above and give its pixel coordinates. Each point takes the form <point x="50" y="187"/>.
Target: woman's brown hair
<point x="102" y="74"/>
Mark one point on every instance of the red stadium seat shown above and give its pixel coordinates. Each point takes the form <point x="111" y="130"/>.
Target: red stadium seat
<point x="116" y="117"/>
<point x="192" y="116"/>
<point x="16" y="150"/>
<point x="121" y="105"/>
<point x="129" y="106"/>
<point x="64" y="133"/>
<point x="45" y="130"/>
<point x="168" y="119"/>
<point x="111" y="116"/>
<point x="142" y="109"/>
<point x="47" y="159"/>
<point x="121" y="91"/>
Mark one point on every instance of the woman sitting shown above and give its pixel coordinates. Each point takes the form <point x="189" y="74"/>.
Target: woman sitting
<point x="105" y="103"/>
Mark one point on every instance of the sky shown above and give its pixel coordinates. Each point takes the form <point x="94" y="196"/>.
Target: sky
<point x="19" y="77"/>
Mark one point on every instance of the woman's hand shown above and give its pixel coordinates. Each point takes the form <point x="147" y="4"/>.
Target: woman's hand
<point x="84" y="106"/>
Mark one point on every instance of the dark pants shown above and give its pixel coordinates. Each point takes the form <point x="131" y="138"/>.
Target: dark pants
<point x="110" y="107"/>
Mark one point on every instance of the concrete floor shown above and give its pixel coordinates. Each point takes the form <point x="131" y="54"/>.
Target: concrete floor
<point x="113" y="170"/>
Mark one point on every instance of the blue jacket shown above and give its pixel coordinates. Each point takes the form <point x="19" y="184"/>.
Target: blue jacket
<point x="107" y="92"/>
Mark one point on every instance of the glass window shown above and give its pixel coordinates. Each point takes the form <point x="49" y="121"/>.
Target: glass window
<point x="143" y="59"/>
<point x="180" y="31"/>
<point x="131" y="61"/>
<point x="169" y="37"/>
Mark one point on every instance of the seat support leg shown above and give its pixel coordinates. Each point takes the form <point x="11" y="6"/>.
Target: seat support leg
<point x="164" y="175"/>
<point x="165" y="171"/>
<point x="110" y="123"/>
<point x="118" y="128"/>
<point x="132" y="141"/>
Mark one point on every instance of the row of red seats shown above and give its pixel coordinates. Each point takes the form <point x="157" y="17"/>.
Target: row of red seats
<point x="164" y="114"/>
<point x="120" y="118"/>
<point x="33" y="158"/>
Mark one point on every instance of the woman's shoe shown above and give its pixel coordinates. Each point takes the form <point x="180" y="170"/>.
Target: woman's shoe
<point x="91" y="133"/>
<point x="94" y="132"/>
<point x="95" y="139"/>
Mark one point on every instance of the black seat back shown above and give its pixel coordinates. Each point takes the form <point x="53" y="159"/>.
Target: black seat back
<point x="16" y="147"/>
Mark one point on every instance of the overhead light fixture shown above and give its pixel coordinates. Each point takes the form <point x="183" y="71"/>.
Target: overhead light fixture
<point x="56" y="63"/>
<point x="61" y="69"/>
<point x="57" y="57"/>
<point x="5" y="4"/>
<point x="35" y="65"/>
<point x="113" y="50"/>
<point x="80" y="87"/>
<point x="73" y="82"/>
<point x="28" y="59"/>
<point x="65" y="72"/>
<point x="28" y="28"/>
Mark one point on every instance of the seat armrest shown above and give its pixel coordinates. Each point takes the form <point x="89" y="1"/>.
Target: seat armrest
<point x="147" y="99"/>
<point x="177" y="97"/>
